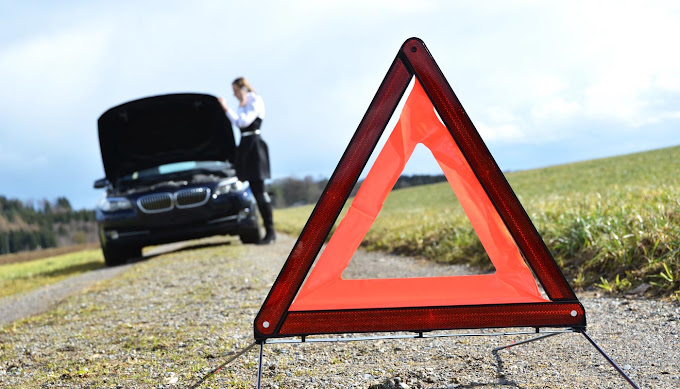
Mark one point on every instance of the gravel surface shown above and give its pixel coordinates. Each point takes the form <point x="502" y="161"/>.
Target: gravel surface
<point x="167" y="321"/>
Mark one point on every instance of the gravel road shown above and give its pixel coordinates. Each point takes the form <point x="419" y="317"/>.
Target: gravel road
<point x="167" y="321"/>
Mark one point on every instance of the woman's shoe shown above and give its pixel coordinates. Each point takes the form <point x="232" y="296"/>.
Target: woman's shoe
<point x="269" y="238"/>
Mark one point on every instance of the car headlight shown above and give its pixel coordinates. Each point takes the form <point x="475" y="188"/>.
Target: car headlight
<point x="229" y="185"/>
<point x="113" y="204"/>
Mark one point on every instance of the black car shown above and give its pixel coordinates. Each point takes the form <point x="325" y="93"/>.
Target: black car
<point x="169" y="176"/>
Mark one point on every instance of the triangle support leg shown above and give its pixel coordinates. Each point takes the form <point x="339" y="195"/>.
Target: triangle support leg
<point x="611" y="362"/>
<point x="228" y="361"/>
<point x="259" y="365"/>
<point x="497" y="349"/>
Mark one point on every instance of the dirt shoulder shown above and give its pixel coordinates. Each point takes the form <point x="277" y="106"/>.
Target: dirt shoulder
<point x="167" y="321"/>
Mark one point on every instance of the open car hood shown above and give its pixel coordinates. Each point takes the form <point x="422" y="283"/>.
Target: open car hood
<point x="158" y="130"/>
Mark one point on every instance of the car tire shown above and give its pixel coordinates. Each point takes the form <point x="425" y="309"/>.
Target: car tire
<point x="115" y="256"/>
<point x="252" y="235"/>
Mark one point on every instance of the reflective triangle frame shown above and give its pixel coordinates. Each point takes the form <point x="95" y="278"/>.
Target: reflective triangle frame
<point x="275" y="319"/>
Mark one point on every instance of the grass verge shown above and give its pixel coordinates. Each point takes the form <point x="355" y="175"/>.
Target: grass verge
<point x="32" y="255"/>
<point x="21" y="277"/>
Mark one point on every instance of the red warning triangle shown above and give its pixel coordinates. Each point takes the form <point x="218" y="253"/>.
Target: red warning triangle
<point x="321" y="302"/>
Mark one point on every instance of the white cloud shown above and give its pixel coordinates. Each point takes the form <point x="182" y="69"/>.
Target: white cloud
<point x="546" y="85"/>
<point x="563" y="63"/>
<point x="628" y="58"/>
<point x="501" y="132"/>
<point x="362" y="8"/>
<point x="52" y="71"/>
<point x="658" y="118"/>
<point x="500" y="114"/>
<point x="617" y="97"/>
<point x="555" y="109"/>
<point x="500" y="124"/>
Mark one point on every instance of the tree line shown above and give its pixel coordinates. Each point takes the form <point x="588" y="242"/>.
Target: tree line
<point x="30" y="225"/>
<point x="291" y="191"/>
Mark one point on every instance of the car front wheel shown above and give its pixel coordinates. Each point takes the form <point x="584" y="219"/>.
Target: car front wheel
<point x="114" y="256"/>
<point x="252" y="234"/>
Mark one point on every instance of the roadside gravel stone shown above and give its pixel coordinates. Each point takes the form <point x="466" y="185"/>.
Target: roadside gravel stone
<point x="168" y="321"/>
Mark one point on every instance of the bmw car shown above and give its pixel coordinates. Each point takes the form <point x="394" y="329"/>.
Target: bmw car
<point x="169" y="171"/>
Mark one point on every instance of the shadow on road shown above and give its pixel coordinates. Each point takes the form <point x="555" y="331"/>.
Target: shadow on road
<point x="74" y="269"/>
<point x="179" y="247"/>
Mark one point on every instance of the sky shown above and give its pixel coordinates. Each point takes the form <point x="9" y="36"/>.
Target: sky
<point x="545" y="83"/>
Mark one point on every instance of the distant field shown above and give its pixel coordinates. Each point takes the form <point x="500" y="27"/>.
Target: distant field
<point x="612" y="222"/>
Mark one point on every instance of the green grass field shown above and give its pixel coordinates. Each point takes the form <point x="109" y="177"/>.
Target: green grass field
<point x="21" y="277"/>
<point x="612" y="223"/>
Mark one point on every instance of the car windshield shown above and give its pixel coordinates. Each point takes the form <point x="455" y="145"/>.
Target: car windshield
<point x="176" y="167"/>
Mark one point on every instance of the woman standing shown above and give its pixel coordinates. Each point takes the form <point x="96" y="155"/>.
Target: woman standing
<point x="252" y="154"/>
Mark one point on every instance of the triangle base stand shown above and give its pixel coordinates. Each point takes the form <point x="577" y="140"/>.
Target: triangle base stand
<point x="611" y="362"/>
<point x="541" y="335"/>
<point x="592" y="342"/>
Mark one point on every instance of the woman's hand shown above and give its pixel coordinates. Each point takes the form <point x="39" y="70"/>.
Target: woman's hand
<point x="223" y="102"/>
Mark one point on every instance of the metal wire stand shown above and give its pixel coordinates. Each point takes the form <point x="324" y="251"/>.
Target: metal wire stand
<point x="592" y="342"/>
<point x="419" y="335"/>
<point x="228" y="361"/>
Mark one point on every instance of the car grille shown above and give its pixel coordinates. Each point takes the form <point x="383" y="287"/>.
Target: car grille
<point x="193" y="197"/>
<point x="163" y="202"/>
<point x="157" y="202"/>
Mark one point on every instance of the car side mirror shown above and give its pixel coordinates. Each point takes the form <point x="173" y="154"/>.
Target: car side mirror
<point x="101" y="183"/>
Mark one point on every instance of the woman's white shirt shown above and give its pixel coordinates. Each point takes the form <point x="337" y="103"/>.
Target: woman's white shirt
<point x="245" y="115"/>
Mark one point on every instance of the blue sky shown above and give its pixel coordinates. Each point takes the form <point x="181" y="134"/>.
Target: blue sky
<point x="544" y="82"/>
